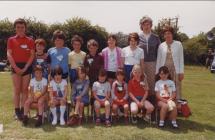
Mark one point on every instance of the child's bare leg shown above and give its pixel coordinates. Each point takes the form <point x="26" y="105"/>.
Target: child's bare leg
<point x="97" y="108"/>
<point x="41" y="104"/>
<point x="163" y="111"/>
<point x="173" y="114"/>
<point x="114" y="109"/>
<point x="77" y="106"/>
<point x="126" y="110"/>
<point x="81" y="109"/>
<point x="107" y="109"/>
<point x="27" y="106"/>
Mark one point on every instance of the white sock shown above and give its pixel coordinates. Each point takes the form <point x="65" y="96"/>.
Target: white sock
<point x="54" y="113"/>
<point x="62" y="111"/>
<point x="173" y="122"/>
<point x="161" y="121"/>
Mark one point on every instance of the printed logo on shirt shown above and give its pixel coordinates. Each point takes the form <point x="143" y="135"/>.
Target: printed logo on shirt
<point x="40" y="61"/>
<point x="24" y="46"/>
<point x="90" y="61"/>
<point x="60" y="57"/>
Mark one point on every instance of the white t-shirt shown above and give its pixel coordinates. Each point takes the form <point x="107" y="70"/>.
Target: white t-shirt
<point x="38" y="86"/>
<point x="165" y="88"/>
<point x="132" y="57"/>
<point x="58" y="87"/>
<point x="101" y="89"/>
<point x="112" y="60"/>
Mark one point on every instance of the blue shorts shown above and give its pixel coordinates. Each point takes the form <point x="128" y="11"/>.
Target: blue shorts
<point x="128" y="69"/>
<point x="72" y="75"/>
<point x="100" y="97"/>
<point x="84" y="99"/>
<point x="139" y="98"/>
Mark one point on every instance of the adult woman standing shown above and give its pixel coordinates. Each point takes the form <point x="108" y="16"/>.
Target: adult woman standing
<point x="20" y="53"/>
<point x="149" y="42"/>
<point x="170" y="54"/>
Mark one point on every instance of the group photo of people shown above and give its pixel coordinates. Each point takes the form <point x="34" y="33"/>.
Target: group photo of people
<point x="136" y="81"/>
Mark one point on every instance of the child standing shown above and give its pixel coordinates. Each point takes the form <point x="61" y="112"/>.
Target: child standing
<point x="80" y="95"/>
<point x="93" y="61"/>
<point x="132" y="55"/>
<point x="120" y="94"/>
<point x="76" y="57"/>
<point x="138" y="92"/>
<point x="59" y="53"/>
<point x="42" y="58"/>
<point x="37" y="94"/>
<point x="58" y="94"/>
<point x="112" y="58"/>
<point x="101" y="93"/>
<point x="166" y="95"/>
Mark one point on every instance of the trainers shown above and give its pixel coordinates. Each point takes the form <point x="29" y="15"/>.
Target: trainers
<point x="54" y="122"/>
<point x="134" y="120"/>
<point x="62" y="121"/>
<point x="25" y="120"/>
<point x="107" y="123"/>
<point x="147" y="118"/>
<point x="174" y="125"/>
<point x="161" y="124"/>
<point x="98" y="121"/>
<point x="39" y="121"/>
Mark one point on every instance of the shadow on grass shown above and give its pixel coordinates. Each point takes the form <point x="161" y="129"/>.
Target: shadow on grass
<point x="187" y="125"/>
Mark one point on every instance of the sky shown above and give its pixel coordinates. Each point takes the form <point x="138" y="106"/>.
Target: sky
<point x="116" y="16"/>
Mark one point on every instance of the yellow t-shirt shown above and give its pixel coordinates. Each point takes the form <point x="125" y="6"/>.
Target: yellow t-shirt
<point x="76" y="59"/>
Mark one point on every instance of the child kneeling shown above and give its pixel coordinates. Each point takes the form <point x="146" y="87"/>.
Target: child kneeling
<point x="138" y="92"/>
<point x="37" y="94"/>
<point x="58" y="89"/>
<point x="101" y="93"/>
<point x="80" y="93"/>
<point x="120" y="95"/>
<point x="166" y="95"/>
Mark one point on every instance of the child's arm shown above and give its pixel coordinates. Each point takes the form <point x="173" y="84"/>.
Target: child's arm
<point x="133" y="97"/>
<point x="126" y="92"/>
<point x="65" y="92"/>
<point x="86" y="89"/>
<point x="114" y="97"/>
<point x="95" y="96"/>
<point x="142" y="65"/>
<point x="145" y="96"/>
<point x="107" y="96"/>
<point x="173" y="96"/>
<point x="31" y="91"/>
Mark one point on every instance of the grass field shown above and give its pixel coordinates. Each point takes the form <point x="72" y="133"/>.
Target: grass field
<point x="198" y="88"/>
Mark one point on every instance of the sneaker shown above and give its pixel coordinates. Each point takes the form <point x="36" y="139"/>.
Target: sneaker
<point x="25" y="120"/>
<point x="174" y="125"/>
<point x="73" y="120"/>
<point x="39" y="122"/>
<point x="107" y="123"/>
<point x="18" y="114"/>
<point x="147" y="118"/>
<point x="62" y="121"/>
<point x="134" y="120"/>
<point x="161" y="124"/>
<point x="54" y="122"/>
<point x="98" y="121"/>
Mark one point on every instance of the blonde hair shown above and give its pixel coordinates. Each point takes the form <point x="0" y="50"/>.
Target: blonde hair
<point x="137" y="68"/>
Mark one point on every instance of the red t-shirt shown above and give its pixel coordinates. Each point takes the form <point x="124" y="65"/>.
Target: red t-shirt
<point x="21" y="48"/>
<point x="136" y="88"/>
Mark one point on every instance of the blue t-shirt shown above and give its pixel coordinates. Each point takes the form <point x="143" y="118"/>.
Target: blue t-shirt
<point x="59" y="57"/>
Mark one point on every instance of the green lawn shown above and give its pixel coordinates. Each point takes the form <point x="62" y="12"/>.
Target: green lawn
<point x="198" y="88"/>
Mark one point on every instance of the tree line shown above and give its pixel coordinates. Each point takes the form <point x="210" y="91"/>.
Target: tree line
<point x="195" y="48"/>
